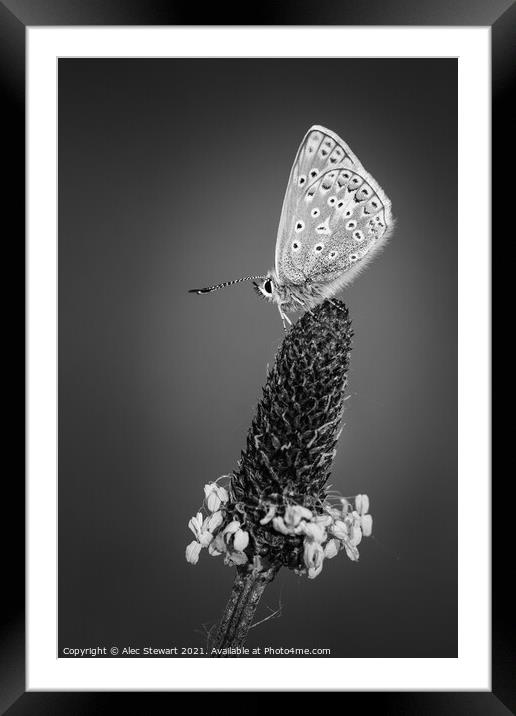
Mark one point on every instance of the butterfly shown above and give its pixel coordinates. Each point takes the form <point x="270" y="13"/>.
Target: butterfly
<point x="334" y="219"/>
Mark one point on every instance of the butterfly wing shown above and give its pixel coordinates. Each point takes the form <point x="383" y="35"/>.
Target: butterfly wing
<point x="334" y="214"/>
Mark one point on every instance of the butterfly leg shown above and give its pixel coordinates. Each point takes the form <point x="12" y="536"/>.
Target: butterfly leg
<point x="284" y="318"/>
<point x="302" y="303"/>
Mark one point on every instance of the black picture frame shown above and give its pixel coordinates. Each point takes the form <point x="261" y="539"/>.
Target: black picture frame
<point x="15" y="17"/>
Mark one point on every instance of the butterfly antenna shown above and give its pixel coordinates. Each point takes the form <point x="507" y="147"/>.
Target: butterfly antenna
<point x="209" y="289"/>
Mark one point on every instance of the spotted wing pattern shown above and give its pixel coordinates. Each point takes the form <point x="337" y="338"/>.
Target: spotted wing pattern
<point x="334" y="213"/>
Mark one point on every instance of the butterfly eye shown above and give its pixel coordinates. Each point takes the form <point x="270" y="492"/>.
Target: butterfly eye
<point x="318" y="247"/>
<point x="295" y="246"/>
<point x="314" y="173"/>
<point x="268" y="286"/>
<point x="300" y="225"/>
<point x="351" y="225"/>
<point x="315" y="212"/>
<point x="358" y="236"/>
<point x="332" y="200"/>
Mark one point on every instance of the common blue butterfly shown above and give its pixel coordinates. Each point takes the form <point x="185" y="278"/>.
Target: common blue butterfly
<point x="335" y="217"/>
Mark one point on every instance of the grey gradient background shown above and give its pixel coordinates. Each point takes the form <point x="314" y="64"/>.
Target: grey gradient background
<point x="171" y="176"/>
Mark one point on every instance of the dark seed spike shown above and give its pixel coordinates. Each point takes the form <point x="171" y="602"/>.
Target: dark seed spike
<point x="292" y="437"/>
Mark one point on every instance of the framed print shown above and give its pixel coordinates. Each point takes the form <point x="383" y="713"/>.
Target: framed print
<point x="304" y="478"/>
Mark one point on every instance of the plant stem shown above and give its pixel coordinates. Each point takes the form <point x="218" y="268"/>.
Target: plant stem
<point x="240" y="609"/>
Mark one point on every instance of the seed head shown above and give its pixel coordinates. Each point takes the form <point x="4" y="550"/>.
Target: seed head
<point x="276" y="509"/>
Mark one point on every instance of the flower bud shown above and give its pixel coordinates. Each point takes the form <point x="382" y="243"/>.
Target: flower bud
<point x="240" y="540"/>
<point x="339" y="530"/>
<point x="362" y="504"/>
<point x="195" y="524"/>
<point x="231" y="528"/>
<point x="192" y="552"/>
<point x="213" y="522"/>
<point x="356" y="535"/>
<point x="215" y="496"/>
<point x="331" y="549"/>
<point x="366" y="522"/>
<point x="314" y="557"/>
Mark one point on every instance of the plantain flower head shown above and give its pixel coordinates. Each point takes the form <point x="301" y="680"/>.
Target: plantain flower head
<point x="275" y="509"/>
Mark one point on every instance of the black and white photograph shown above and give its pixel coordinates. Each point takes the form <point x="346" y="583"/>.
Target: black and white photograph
<point x="266" y="468"/>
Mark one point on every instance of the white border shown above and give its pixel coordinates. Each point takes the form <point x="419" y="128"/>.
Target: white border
<point x="471" y="671"/>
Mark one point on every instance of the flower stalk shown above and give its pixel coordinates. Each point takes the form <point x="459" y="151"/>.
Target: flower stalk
<point x="238" y="616"/>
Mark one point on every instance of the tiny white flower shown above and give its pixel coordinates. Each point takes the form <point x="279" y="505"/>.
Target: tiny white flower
<point x="315" y="532"/>
<point x="339" y="529"/>
<point x="231" y="528"/>
<point x="356" y="535"/>
<point x="215" y="496"/>
<point x="192" y="552"/>
<point x="205" y="538"/>
<point x="195" y="524"/>
<point x="314" y="558"/>
<point x="301" y="528"/>
<point x="198" y="527"/>
<point x="240" y="540"/>
<point x="295" y="513"/>
<point x="362" y="504"/>
<point x="212" y="499"/>
<point x="351" y="550"/>
<point x="366" y="522"/>
<point x="331" y="549"/>
<point x="223" y="494"/>
<point x="213" y="522"/>
<point x="279" y="525"/>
